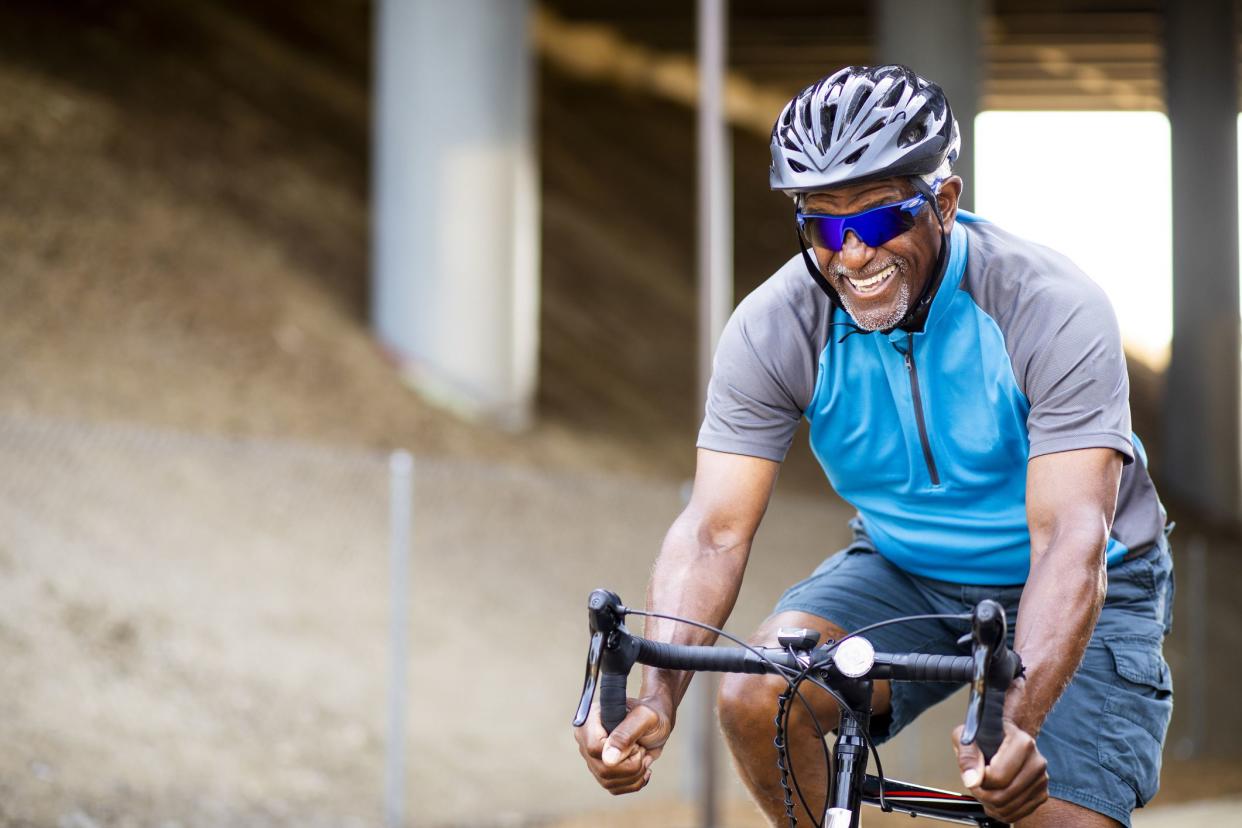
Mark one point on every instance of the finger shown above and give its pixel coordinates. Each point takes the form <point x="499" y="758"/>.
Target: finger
<point x="1010" y="759"/>
<point x="636" y="785"/>
<point x="631" y="767"/>
<point x="593" y="730"/>
<point x="624" y="737"/>
<point x="1020" y="798"/>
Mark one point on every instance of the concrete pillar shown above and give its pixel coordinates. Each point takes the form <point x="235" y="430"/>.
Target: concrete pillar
<point x="940" y="41"/>
<point x="455" y="257"/>
<point x="1201" y="456"/>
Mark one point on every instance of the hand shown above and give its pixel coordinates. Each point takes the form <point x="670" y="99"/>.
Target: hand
<point x="1014" y="784"/>
<point x="621" y="762"/>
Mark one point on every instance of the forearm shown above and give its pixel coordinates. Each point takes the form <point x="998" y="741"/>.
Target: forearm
<point x="697" y="575"/>
<point x="1060" y="604"/>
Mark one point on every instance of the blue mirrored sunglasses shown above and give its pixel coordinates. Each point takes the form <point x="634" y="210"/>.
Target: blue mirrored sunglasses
<point x="874" y="227"/>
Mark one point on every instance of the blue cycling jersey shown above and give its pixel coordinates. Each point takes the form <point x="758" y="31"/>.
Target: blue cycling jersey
<point x="928" y="433"/>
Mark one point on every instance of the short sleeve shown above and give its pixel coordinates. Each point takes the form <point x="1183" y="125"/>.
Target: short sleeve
<point x="1075" y="375"/>
<point x="759" y="386"/>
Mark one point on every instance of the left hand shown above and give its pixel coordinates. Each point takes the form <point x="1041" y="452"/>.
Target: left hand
<point x="1014" y="784"/>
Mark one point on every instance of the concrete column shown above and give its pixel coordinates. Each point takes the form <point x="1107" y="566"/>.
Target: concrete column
<point x="455" y="257"/>
<point x="941" y="41"/>
<point x="1201" y="456"/>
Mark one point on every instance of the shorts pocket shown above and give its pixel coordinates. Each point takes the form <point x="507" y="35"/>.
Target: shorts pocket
<point x="1136" y="714"/>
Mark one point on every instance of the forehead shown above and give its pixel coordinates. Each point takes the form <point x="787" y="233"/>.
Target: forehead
<point x="854" y="197"/>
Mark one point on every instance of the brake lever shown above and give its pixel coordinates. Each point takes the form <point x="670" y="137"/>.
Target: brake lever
<point x="592" y="678"/>
<point x="604" y="611"/>
<point x="988" y="631"/>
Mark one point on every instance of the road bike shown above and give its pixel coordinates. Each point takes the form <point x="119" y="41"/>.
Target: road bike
<point x="846" y="670"/>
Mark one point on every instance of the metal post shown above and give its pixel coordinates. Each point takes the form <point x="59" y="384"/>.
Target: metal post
<point x="1202" y="451"/>
<point x="400" y="509"/>
<point x="715" y="265"/>
<point x="942" y="42"/>
<point x="455" y="150"/>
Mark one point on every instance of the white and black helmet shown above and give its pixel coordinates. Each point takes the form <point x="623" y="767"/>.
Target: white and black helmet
<point x="863" y="123"/>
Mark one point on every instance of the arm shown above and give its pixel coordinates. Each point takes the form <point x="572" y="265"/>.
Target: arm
<point x="1070" y="500"/>
<point x="697" y="575"/>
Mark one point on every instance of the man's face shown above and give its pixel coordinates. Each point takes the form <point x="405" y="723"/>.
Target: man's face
<point x="878" y="284"/>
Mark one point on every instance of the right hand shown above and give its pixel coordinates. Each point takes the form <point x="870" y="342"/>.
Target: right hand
<point x="621" y="761"/>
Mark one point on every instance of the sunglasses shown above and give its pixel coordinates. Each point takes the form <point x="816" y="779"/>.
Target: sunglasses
<point x="873" y="227"/>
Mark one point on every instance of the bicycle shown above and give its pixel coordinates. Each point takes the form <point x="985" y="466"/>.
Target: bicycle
<point x="846" y="670"/>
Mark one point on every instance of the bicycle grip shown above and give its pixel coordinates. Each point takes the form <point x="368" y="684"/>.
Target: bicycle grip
<point x="991" y="725"/>
<point x="612" y="707"/>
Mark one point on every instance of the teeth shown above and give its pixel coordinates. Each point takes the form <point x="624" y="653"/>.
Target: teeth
<point x="865" y="284"/>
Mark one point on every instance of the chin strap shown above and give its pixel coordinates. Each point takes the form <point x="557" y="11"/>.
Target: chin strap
<point x="929" y="289"/>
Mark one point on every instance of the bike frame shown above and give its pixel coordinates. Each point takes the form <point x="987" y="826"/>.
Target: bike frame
<point x="852" y="786"/>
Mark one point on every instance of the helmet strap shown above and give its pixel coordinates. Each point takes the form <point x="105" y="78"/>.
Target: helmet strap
<point x="917" y="314"/>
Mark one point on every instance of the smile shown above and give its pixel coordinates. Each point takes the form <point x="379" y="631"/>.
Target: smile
<point x="872" y="283"/>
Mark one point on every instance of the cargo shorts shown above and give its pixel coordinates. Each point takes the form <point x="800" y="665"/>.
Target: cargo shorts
<point x="1104" y="737"/>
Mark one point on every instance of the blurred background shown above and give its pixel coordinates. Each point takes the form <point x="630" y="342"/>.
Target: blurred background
<point x="253" y="248"/>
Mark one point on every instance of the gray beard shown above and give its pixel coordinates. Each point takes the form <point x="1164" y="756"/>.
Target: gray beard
<point x="878" y="319"/>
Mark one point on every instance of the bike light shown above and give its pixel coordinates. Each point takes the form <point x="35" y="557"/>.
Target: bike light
<point x="854" y="657"/>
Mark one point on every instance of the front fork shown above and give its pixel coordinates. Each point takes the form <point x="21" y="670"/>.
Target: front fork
<point x="850" y="755"/>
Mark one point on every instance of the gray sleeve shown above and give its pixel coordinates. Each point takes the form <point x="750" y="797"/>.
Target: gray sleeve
<point x="763" y="376"/>
<point x="1073" y="370"/>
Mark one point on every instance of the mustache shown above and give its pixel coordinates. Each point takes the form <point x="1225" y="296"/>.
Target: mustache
<point x="842" y="272"/>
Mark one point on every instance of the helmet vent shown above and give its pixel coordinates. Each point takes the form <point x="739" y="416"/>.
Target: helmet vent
<point x="912" y="134"/>
<point x="893" y="96"/>
<point x="853" y="157"/>
<point x="795" y="166"/>
<point x="873" y="129"/>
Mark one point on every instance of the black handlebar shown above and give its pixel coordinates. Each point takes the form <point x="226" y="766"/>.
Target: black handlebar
<point x="989" y="670"/>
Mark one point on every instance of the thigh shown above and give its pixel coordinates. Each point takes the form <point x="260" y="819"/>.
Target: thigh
<point x="1103" y="739"/>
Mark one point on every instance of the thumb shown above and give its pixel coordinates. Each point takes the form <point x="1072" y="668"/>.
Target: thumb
<point x="621" y="742"/>
<point x="970" y="763"/>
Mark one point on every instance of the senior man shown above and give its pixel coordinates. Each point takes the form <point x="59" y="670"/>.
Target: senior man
<point x="967" y="393"/>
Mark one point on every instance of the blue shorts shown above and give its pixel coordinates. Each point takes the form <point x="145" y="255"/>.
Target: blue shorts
<point x="1103" y="738"/>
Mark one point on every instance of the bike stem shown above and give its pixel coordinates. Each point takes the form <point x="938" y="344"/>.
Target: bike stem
<point x="850" y="754"/>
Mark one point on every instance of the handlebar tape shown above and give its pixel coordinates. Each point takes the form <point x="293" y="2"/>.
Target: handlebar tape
<point x="612" y="707"/>
<point x="991" y="722"/>
<point x="713" y="659"/>
<point x="925" y="667"/>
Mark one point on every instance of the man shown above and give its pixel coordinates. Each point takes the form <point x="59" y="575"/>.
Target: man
<point x="967" y="393"/>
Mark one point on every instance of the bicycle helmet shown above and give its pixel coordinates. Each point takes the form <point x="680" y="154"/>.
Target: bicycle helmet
<point x="863" y="123"/>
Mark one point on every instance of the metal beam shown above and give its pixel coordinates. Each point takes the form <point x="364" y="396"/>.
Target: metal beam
<point x="1201" y="456"/>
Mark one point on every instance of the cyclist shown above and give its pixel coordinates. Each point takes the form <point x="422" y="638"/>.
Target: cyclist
<point x="967" y="393"/>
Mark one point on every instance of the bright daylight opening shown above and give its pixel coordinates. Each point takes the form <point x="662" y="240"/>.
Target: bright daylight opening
<point x="1064" y="179"/>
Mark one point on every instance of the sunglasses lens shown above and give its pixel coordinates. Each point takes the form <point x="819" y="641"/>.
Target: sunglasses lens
<point x="823" y="231"/>
<point x="874" y="227"/>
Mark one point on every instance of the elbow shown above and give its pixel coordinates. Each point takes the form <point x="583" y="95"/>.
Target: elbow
<point x="715" y="536"/>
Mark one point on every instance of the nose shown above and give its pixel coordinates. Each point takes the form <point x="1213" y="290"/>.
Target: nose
<point x="854" y="254"/>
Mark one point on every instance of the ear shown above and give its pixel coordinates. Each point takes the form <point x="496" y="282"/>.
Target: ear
<point x="946" y="200"/>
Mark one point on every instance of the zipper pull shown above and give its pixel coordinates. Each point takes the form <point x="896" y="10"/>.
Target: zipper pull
<point x="907" y="361"/>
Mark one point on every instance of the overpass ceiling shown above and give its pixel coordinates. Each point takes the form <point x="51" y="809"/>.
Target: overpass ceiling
<point x="1040" y="54"/>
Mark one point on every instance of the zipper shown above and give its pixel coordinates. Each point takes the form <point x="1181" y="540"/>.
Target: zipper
<point x="913" y="371"/>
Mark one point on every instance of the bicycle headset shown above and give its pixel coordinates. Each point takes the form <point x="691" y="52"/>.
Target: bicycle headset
<point x="866" y="123"/>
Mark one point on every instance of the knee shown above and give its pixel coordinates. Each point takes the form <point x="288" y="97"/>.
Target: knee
<point x="746" y="703"/>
